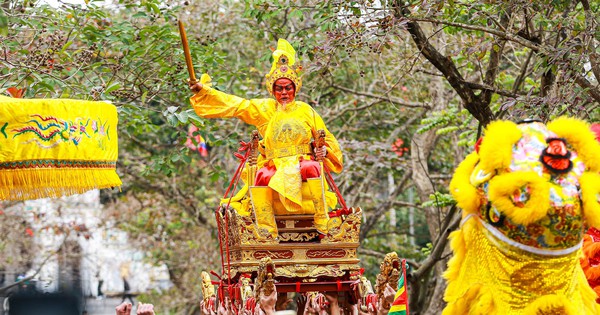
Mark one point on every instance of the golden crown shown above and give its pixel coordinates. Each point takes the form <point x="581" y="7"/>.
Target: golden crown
<point x="284" y="66"/>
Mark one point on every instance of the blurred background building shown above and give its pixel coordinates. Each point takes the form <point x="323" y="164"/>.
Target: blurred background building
<point x="76" y="250"/>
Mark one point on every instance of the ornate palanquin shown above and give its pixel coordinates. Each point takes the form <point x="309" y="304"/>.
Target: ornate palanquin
<point x="299" y="254"/>
<point x="297" y="257"/>
<point x="278" y="234"/>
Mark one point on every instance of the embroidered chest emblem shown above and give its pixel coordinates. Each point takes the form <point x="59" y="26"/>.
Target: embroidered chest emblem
<point x="288" y="131"/>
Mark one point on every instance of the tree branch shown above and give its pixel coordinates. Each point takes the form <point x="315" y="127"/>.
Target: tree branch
<point x="590" y="30"/>
<point x="381" y="255"/>
<point x="584" y="83"/>
<point x="485" y="87"/>
<point x="450" y="224"/>
<point x="519" y="80"/>
<point x="504" y="35"/>
<point x="384" y="207"/>
<point x="37" y="271"/>
<point x="495" y="56"/>
<point x="479" y="110"/>
<point x="382" y="97"/>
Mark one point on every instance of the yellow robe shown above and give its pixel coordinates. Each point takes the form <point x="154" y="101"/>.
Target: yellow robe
<point x="294" y="125"/>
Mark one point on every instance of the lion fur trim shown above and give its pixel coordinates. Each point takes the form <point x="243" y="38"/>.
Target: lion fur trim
<point x="503" y="186"/>
<point x="579" y="135"/>
<point x="464" y="193"/>
<point x="496" y="147"/>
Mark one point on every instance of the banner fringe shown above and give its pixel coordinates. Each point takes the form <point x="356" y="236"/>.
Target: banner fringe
<point x="24" y="184"/>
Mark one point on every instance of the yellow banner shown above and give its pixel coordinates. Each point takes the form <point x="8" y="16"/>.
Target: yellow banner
<point x="56" y="147"/>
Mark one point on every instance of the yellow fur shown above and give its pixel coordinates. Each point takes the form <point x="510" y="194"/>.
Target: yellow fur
<point x="496" y="148"/>
<point x="590" y="188"/>
<point x="581" y="138"/>
<point x="457" y="243"/>
<point x="464" y="193"/>
<point x="551" y="305"/>
<point x="485" y="304"/>
<point x="503" y="186"/>
<point x="475" y="301"/>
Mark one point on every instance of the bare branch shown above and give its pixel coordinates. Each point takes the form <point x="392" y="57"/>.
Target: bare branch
<point x="37" y="271"/>
<point x="485" y="87"/>
<point x="381" y="255"/>
<point x="584" y="83"/>
<point x="519" y="80"/>
<point x="495" y="56"/>
<point x="450" y="224"/>
<point x="444" y="64"/>
<point x="406" y="204"/>
<point x="504" y="35"/>
<point x="590" y="20"/>
<point x="383" y="98"/>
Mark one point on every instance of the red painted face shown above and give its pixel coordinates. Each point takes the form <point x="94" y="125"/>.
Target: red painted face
<point x="284" y="91"/>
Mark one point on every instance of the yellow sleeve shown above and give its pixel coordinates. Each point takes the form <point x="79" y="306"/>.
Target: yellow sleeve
<point x="334" y="159"/>
<point x="210" y="103"/>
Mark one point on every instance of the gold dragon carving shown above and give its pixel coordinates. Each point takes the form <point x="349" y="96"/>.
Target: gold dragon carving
<point x="302" y="270"/>
<point x="389" y="273"/>
<point x="297" y="237"/>
<point x="233" y="228"/>
<point x="265" y="279"/>
<point x="347" y="232"/>
<point x="249" y="233"/>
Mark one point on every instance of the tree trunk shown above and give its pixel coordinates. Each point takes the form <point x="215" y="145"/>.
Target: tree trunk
<point x="421" y="147"/>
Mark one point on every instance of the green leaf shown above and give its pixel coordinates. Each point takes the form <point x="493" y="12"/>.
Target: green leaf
<point x="112" y="87"/>
<point x="173" y="121"/>
<point x="144" y="95"/>
<point x="3" y="23"/>
<point x="155" y="8"/>
<point x="66" y="45"/>
<point x="196" y="120"/>
<point x="183" y="117"/>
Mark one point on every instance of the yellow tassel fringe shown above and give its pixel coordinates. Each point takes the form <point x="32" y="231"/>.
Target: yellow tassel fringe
<point x="24" y="184"/>
<point x="476" y="301"/>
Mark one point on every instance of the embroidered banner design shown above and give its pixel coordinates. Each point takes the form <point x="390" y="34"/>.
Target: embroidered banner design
<point x="56" y="147"/>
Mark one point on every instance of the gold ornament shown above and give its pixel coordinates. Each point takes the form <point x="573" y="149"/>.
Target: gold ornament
<point x="284" y="66"/>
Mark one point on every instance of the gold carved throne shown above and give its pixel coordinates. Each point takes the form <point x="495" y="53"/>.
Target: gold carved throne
<point x="297" y="250"/>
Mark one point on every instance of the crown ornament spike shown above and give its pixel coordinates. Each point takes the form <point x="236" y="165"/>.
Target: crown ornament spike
<point x="284" y="66"/>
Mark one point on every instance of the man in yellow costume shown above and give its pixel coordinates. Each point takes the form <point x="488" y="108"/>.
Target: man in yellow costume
<point x="288" y="128"/>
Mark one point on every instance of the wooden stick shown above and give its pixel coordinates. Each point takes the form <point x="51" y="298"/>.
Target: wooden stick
<point x="186" y="52"/>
